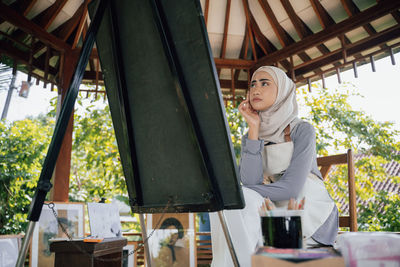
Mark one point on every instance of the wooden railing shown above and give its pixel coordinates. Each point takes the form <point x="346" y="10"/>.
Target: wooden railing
<point x="139" y="255"/>
<point x="204" y="250"/>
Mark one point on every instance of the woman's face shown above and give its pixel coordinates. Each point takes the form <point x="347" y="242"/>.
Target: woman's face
<point x="263" y="91"/>
<point x="174" y="236"/>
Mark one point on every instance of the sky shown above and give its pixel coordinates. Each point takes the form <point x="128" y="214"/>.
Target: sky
<point x="381" y="91"/>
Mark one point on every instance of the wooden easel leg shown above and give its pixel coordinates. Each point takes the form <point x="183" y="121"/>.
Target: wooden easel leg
<point x="228" y="238"/>
<point x="144" y="237"/>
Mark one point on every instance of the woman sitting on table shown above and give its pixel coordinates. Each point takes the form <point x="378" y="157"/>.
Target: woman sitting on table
<point x="278" y="161"/>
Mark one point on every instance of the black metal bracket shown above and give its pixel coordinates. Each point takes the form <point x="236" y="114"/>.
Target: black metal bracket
<point x="44" y="185"/>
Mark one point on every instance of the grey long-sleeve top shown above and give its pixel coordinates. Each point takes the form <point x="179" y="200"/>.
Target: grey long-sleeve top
<point x="304" y="161"/>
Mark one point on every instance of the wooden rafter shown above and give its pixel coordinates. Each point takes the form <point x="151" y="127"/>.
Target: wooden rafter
<point x="91" y="75"/>
<point x="284" y="38"/>
<point x="233" y="63"/>
<point x="226" y="27"/>
<point x="301" y="28"/>
<point x="324" y="18"/>
<point x="237" y="84"/>
<point x="276" y="27"/>
<point x="65" y="30"/>
<point x="206" y="8"/>
<point x="247" y="12"/>
<point x="371" y="41"/>
<point x="47" y="64"/>
<point x="372" y="13"/>
<point x="81" y="25"/>
<point x="46" y="18"/>
<point x="352" y="9"/>
<point x="23" y="7"/>
<point x="27" y="26"/>
<point x="243" y="53"/>
<point x="23" y="57"/>
<point x="352" y="62"/>
<point x="326" y="21"/>
<point x="264" y="42"/>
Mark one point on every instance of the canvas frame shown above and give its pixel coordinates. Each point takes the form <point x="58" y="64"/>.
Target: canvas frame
<point x="48" y="221"/>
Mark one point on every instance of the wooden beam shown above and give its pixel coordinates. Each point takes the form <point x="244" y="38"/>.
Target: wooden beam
<point x="47" y="64"/>
<point x="264" y="42"/>
<point x="46" y="18"/>
<point x="247" y="12"/>
<point x="352" y="9"/>
<point x="325" y="171"/>
<point x="23" y="57"/>
<point x="352" y="49"/>
<point x="11" y="38"/>
<point x="243" y="52"/>
<point x="276" y="27"/>
<point x="206" y="9"/>
<point x="26" y="25"/>
<point x="370" y="14"/>
<point x="22" y="6"/>
<point x="226" y="26"/>
<point x="62" y="170"/>
<point x="233" y="63"/>
<point x="352" y="191"/>
<point x="332" y="160"/>
<point x="355" y="69"/>
<point x="246" y="43"/>
<point x="372" y="61"/>
<point x="81" y="25"/>
<point x="237" y="84"/>
<point x="353" y="62"/>
<point x="324" y="18"/>
<point x="65" y="30"/>
<point x="301" y="28"/>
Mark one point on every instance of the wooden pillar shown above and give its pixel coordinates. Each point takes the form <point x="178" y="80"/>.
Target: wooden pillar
<point x="62" y="170"/>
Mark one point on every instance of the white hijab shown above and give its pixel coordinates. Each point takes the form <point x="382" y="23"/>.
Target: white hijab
<point x="283" y="112"/>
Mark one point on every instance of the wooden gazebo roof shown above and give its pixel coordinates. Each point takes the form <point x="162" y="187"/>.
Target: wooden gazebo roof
<point x="309" y="39"/>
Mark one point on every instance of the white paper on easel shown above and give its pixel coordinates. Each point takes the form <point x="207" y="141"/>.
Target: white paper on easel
<point x="104" y="220"/>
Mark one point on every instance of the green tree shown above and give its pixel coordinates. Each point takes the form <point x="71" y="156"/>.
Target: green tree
<point x="338" y="128"/>
<point x="23" y="146"/>
<point x="96" y="171"/>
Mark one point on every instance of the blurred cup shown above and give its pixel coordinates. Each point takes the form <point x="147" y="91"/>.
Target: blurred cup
<point x="282" y="228"/>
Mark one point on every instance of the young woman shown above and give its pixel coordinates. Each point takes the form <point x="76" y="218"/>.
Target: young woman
<point x="278" y="161"/>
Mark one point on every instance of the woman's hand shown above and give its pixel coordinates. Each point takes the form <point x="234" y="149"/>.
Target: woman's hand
<point x="252" y="118"/>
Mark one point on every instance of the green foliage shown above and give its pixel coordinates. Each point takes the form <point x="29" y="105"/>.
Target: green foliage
<point x="96" y="171"/>
<point x="338" y="128"/>
<point x="381" y="213"/>
<point x="237" y="126"/>
<point x="23" y="146"/>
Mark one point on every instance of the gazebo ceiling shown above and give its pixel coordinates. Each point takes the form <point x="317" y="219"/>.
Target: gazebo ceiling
<point x="309" y="39"/>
